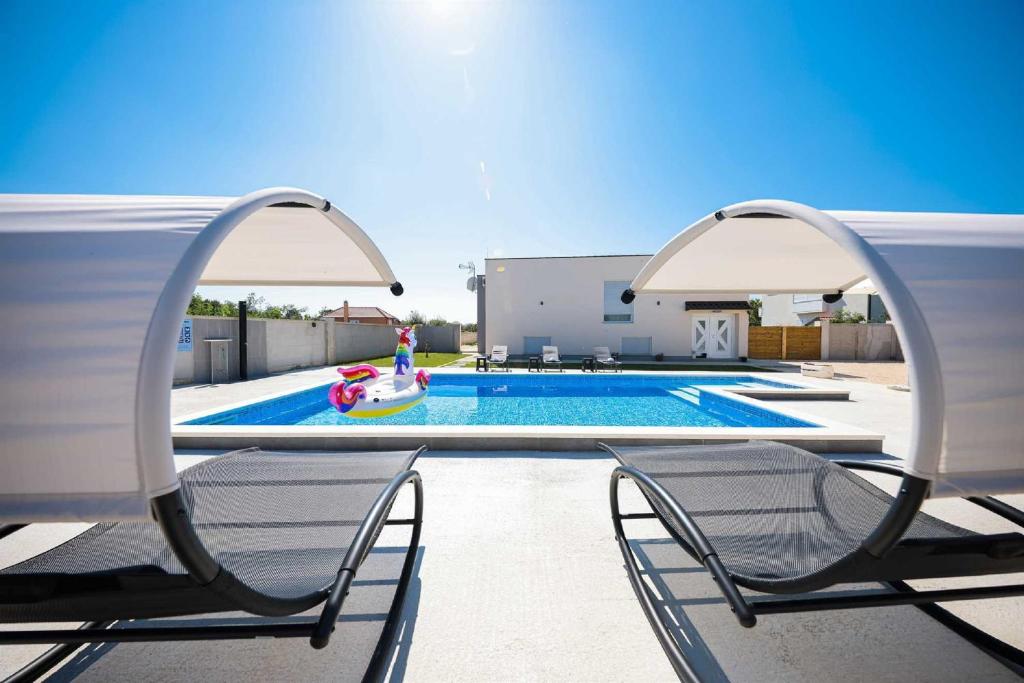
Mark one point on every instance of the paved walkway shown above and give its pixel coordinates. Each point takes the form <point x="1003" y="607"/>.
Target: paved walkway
<point x="467" y="361"/>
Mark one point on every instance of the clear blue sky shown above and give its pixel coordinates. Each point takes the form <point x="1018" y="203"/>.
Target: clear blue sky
<point x="454" y="132"/>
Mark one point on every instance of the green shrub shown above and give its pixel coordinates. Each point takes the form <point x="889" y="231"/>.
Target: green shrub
<point x="844" y="316"/>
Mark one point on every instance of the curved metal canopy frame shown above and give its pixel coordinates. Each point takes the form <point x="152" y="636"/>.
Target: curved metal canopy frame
<point x="919" y="347"/>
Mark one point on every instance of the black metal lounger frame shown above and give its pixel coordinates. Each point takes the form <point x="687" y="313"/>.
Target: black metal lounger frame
<point x="545" y="364"/>
<point x="500" y="363"/>
<point x="912" y="493"/>
<point x="171" y="514"/>
<point x="610" y="363"/>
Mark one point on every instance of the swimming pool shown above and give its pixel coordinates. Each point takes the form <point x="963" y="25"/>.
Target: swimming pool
<point x="539" y="400"/>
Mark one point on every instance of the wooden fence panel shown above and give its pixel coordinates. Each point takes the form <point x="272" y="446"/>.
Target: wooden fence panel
<point x="787" y="343"/>
<point x="802" y="343"/>
<point x="764" y="342"/>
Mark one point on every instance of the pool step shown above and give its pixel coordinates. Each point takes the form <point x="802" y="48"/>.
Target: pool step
<point x="687" y="394"/>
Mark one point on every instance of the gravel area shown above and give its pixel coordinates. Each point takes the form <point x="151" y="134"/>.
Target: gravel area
<point x="876" y="372"/>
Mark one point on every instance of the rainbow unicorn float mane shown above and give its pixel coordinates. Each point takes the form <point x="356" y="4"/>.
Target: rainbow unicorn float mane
<point x="362" y="392"/>
<point x="403" y="354"/>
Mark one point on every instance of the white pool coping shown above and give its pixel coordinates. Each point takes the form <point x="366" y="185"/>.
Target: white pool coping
<point x="829" y="436"/>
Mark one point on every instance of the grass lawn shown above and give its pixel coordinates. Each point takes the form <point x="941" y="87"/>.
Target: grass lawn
<point x="421" y="360"/>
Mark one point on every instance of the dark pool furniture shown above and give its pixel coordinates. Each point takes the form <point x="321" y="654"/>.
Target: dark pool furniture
<point x="533" y="364"/>
<point x="587" y="363"/>
<point x="481" y="363"/>
<point x="271" y="534"/>
<point x="775" y="519"/>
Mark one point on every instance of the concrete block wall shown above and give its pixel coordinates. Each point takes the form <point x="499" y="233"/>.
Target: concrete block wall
<point x="292" y="344"/>
<point x="442" y="338"/>
<point x="353" y="341"/>
<point x="213" y="328"/>
<point x="282" y="345"/>
<point x="864" y="341"/>
<point x="194" y="366"/>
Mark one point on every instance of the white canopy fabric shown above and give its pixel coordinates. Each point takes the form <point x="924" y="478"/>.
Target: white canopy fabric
<point x="92" y="294"/>
<point x="863" y="287"/>
<point x="952" y="283"/>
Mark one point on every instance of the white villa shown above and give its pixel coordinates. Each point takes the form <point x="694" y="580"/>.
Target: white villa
<point x="806" y="309"/>
<point x="574" y="303"/>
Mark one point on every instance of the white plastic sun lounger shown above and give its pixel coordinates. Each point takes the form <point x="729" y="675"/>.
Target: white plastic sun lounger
<point x="772" y="518"/>
<point x="550" y="359"/>
<point x="499" y="357"/>
<point x="603" y="358"/>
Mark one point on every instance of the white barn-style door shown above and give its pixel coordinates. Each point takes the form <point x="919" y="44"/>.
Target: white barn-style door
<point x="713" y="335"/>
<point x="699" y="343"/>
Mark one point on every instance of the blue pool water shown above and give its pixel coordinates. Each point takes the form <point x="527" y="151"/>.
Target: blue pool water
<point x="548" y="399"/>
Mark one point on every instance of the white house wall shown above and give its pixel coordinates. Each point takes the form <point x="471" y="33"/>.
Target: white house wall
<point x="779" y="309"/>
<point x="572" y="314"/>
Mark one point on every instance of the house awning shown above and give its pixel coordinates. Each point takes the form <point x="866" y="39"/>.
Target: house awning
<point x="92" y="294"/>
<point x="717" y="305"/>
<point x="952" y="283"/>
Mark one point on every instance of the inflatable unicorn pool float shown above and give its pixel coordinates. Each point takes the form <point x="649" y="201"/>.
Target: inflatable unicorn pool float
<point x="363" y="392"/>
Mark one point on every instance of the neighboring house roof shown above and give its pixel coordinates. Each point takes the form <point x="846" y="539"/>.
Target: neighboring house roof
<point x="717" y="306"/>
<point x="361" y="312"/>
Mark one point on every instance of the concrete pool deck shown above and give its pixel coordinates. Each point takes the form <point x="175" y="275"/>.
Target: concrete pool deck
<point x="188" y="403"/>
<point x="520" y="579"/>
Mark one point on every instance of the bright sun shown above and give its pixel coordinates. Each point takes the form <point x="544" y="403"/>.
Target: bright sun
<point x="441" y="8"/>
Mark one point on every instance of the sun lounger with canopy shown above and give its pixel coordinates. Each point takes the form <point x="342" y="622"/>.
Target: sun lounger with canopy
<point x="772" y="518"/>
<point x="96" y="288"/>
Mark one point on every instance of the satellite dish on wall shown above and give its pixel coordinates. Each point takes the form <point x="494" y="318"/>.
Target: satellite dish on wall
<point x="471" y="283"/>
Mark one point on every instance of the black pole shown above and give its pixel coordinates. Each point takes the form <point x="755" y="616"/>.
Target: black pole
<point x="243" y="349"/>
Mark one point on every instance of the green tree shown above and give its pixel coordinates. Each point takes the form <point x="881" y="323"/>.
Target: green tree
<point x="292" y="312"/>
<point x="197" y="306"/>
<point x="200" y="305"/>
<point x="437" y="321"/>
<point x="754" y="312"/>
<point x="414" y="318"/>
<point x="256" y="306"/>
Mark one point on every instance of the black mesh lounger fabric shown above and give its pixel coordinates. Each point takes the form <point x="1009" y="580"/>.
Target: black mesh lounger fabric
<point x="772" y="512"/>
<point x="281" y="522"/>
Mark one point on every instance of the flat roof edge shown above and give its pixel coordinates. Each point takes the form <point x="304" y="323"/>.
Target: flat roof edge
<point x="541" y="258"/>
